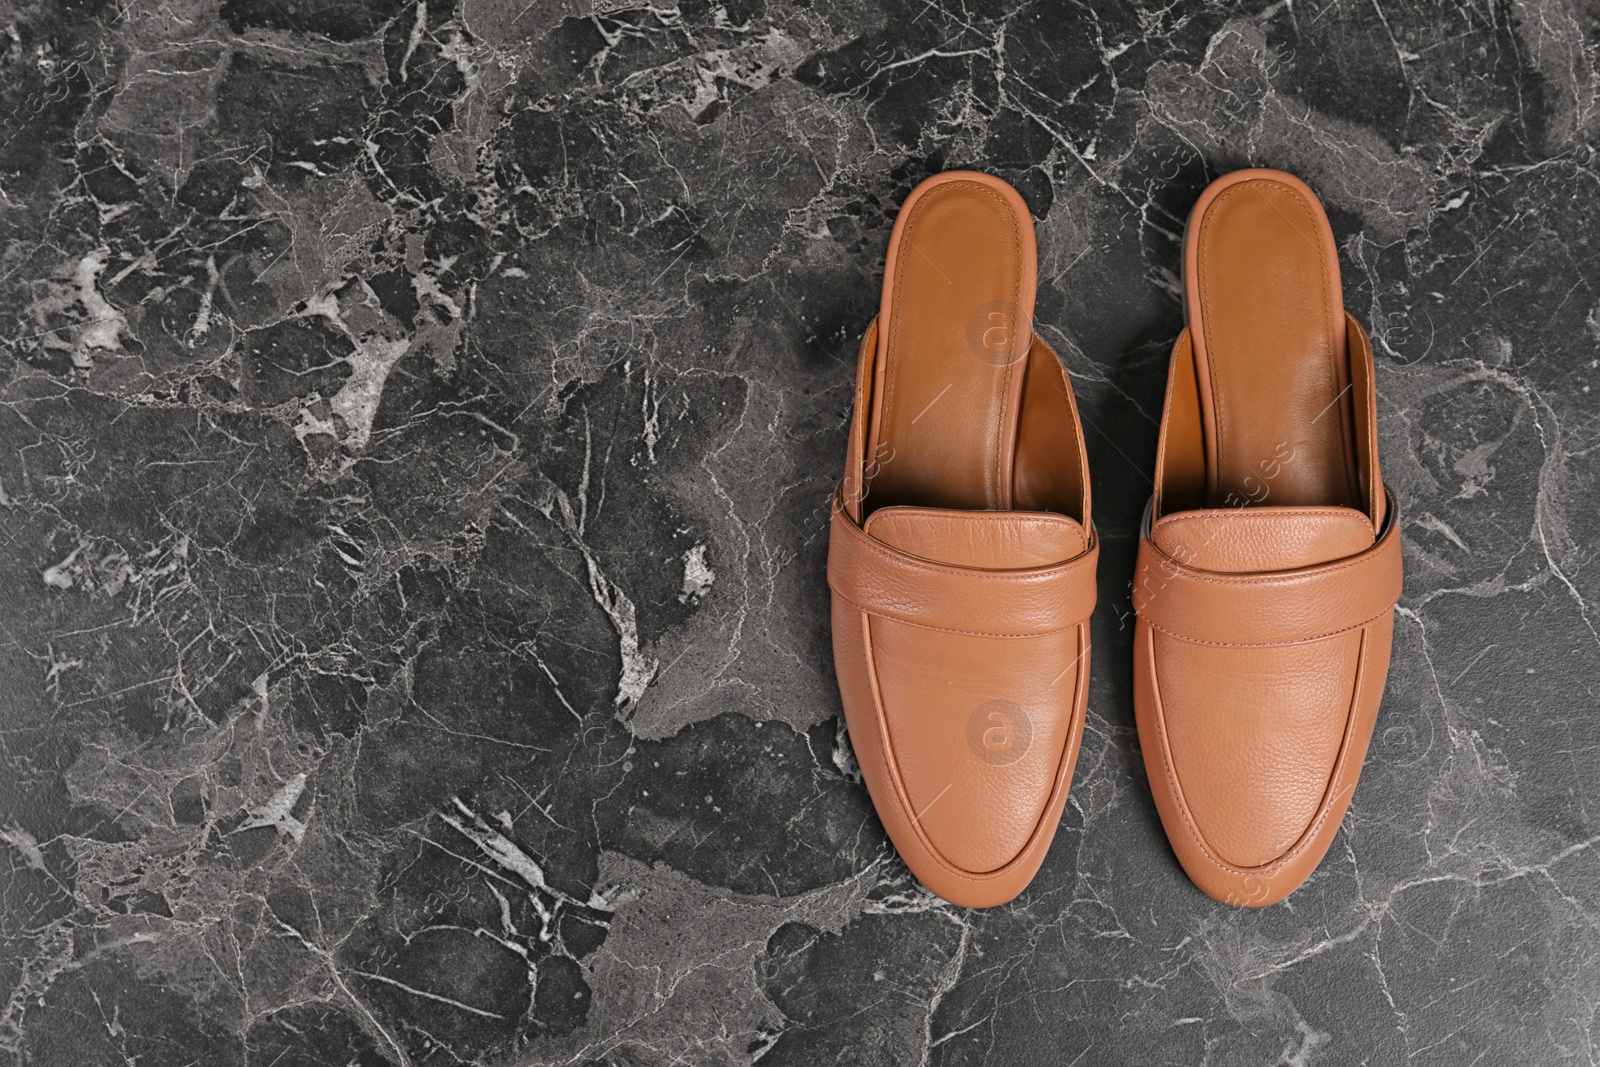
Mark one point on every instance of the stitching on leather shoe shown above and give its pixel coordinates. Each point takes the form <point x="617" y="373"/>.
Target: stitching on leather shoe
<point x="892" y="762"/>
<point x="1277" y="577"/>
<point x="1271" y="644"/>
<point x="901" y="620"/>
<point x="1263" y="513"/>
<point x="1020" y="573"/>
<point x="1325" y="806"/>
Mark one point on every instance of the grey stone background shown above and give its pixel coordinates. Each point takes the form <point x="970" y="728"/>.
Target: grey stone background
<point x="418" y="420"/>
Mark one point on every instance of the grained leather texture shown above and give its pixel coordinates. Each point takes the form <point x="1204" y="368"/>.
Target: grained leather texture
<point x="1240" y="540"/>
<point x="964" y="572"/>
<point x="961" y="553"/>
<point x="977" y="538"/>
<point x="1266" y="581"/>
<point x="1278" y="604"/>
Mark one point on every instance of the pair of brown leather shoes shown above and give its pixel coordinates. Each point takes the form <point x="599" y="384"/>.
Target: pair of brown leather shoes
<point x="962" y="551"/>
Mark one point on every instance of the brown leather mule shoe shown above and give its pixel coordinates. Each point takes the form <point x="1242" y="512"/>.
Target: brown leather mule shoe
<point x="1270" y="562"/>
<point x="960" y="554"/>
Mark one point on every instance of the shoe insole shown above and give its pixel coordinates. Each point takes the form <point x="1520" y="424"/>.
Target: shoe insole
<point x="953" y="333"/>
<point x="1267" y="322"/>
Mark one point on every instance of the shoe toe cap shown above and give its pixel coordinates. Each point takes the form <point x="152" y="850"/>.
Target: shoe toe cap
<point x="978" y="738"/>
<point x="1253" y="741"/>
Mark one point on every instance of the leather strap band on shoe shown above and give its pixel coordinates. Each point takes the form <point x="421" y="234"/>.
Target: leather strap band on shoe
<point x="881" y="580"/>
<point x="1272" y="608"/>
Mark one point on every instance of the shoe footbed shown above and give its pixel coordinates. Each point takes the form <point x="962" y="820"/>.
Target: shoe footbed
<point x="956" y="328"/>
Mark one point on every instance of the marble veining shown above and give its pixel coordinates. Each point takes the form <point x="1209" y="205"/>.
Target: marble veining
<point x="417" y="424"/>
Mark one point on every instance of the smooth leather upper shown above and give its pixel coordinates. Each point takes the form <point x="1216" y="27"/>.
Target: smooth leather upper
<point x="961" y="556"/>
<point x="1267" y="576"/>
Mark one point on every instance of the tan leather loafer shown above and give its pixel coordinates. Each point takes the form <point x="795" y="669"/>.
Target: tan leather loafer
<point x="961" y="555"/>
<point x="1270" y="562"/>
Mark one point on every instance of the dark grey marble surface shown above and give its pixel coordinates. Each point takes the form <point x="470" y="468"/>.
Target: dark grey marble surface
<point x="418" y="420"/>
